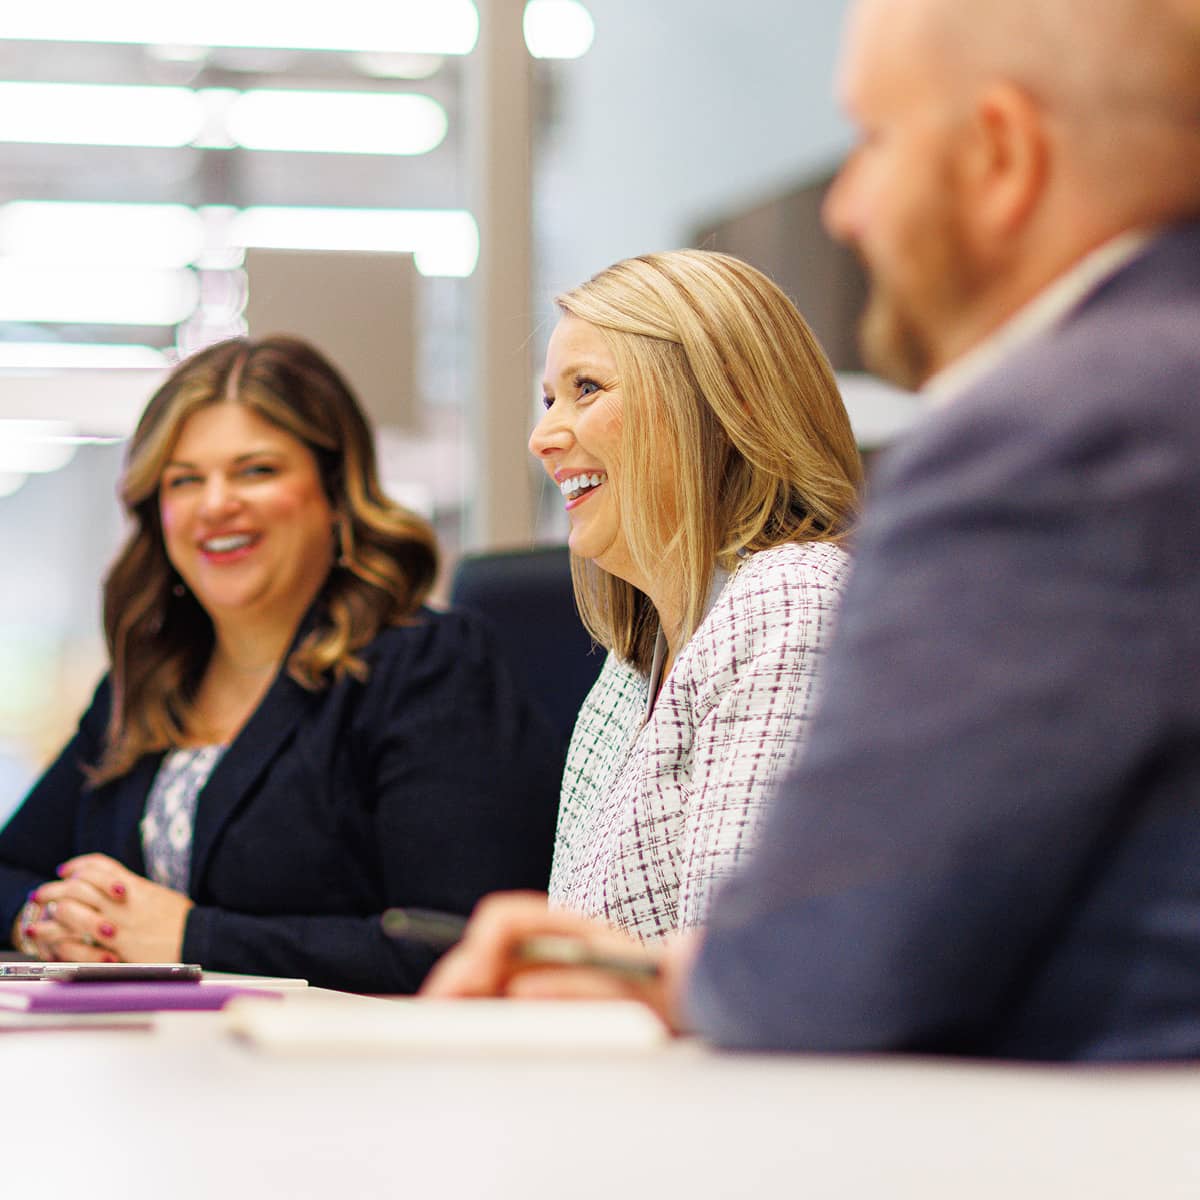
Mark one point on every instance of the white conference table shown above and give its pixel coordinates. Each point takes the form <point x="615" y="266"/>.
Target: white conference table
<point x="190" y="1112"/>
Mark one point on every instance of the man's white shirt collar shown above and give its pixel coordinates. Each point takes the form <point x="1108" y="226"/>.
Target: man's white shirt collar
<point x="1042" y="313"/>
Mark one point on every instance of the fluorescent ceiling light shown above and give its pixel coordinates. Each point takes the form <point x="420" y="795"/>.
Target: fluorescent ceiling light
<point x="408" y="26"/>
<point x="57" y="356"/>
<point x="558" y="29"/>
<point x="74" y="234"/>
<point x="216" y="102"/>
<point x="96" y="296"/>
<point x="35" y="447"/>
<point x="443" y="242"/>
<point x="52" y="245"/>
<point x="265" y="119"/>
<point x="336" y="122"/>
<point x="99" y="114"/>
<point x="398" y="66"/>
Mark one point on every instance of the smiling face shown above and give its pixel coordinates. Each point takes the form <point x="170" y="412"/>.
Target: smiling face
<point x="245" y="518"/>
<point x="578" y="442"/>
<point x="897" y="200"/>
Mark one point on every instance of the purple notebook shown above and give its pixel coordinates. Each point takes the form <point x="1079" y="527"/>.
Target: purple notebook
<point x="121" y="997"/>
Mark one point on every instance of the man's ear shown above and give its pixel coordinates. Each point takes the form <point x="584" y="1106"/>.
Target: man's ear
<point x="1006" y="161"/>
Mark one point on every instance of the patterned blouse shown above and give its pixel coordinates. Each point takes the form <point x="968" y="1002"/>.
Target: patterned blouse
<point x="170" y="814"/>
<point x="658" y="808"/>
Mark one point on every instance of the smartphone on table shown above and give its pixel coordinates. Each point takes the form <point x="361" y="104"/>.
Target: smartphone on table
<point x="81" y="972"/>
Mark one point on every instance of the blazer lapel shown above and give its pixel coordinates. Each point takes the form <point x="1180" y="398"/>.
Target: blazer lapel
<point x="265" y="736"/>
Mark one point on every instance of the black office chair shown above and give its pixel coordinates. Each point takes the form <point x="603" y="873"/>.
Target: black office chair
<point x="526" y="596"/>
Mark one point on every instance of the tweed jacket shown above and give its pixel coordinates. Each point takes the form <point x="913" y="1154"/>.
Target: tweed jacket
<point x="656" y="809"/>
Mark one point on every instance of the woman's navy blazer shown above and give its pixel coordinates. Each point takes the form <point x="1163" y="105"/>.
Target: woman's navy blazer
<point x="429" y="784"/>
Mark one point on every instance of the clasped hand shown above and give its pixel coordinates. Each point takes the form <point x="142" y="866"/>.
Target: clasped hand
<point x="100" y="911"/>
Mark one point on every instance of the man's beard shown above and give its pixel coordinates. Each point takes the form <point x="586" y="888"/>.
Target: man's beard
<point x="892" y="346"/>
<point x="904" y="330"/>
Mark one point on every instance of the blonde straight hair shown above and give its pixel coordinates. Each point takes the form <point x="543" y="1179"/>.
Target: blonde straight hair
<point x="159" y="642"/>
<point x="734" y="436"/>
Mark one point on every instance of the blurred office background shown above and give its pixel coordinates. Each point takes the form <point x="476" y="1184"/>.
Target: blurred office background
<point x="169" y="176"/>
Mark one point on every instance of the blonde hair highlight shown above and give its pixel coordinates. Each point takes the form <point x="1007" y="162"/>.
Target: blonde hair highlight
<point x="723" y="385"/>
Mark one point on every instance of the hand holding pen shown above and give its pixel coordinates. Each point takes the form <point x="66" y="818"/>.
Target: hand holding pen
<point x="514" y="945"/>
<point x="443" y="931"/>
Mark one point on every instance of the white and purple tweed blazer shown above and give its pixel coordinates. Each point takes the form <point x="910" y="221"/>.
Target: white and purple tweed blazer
<point x="657" y="810"/>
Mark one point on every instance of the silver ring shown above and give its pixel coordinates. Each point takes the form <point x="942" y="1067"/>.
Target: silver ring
<point x="48" y="910"/>
<point x="30" y="914"/>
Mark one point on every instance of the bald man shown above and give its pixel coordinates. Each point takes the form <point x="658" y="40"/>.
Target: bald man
<point x="992" y="844"/>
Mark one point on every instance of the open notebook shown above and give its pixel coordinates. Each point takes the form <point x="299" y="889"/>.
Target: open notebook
<point x="449" y="1026"/>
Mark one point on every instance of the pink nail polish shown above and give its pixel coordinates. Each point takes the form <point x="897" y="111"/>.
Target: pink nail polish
<point x="118" y="889"/>
<point x="107" y="930"/>
<point x="108" y="958"/>
<point x="29" y="931"/>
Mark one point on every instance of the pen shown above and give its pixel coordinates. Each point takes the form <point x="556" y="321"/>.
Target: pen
<point x="440" y="931"/>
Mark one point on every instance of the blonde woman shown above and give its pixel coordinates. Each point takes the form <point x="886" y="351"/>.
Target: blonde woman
<point x="287" y="741"/>
<point x="709" y="475"/>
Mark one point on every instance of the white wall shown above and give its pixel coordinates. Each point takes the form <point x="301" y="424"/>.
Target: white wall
<point x="681" y="110"/>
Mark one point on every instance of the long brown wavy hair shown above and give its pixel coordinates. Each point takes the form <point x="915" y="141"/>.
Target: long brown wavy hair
<point x="728" y="403"/>
<point x="159" y="643"/>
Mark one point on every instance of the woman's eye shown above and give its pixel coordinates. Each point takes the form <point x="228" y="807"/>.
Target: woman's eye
<point x="178" y="481"/>
<point x="588" y="387"/>
<point x="258" y="470"/>
<point x="547" y="402"/>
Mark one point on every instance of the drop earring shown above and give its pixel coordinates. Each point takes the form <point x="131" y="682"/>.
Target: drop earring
<point x="341" y="541"/>
<point x="178" y="590"/>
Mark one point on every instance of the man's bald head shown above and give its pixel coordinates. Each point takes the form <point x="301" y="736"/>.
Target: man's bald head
<point x="1120" y="79"/>
<point x="1001" y="141"/>
<point x="1072" y="51"/>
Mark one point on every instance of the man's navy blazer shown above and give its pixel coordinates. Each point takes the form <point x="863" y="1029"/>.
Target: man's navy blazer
<point x="992" y="843"/>
<point x="430" y="784"/>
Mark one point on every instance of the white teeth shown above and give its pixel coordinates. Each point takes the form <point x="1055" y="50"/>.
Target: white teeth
<point x="222" y="545"/>
<point x="569" y="487"/>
